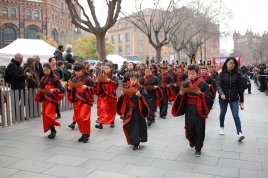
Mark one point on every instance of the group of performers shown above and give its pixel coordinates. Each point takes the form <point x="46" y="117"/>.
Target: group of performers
<point x="145" y="88"/>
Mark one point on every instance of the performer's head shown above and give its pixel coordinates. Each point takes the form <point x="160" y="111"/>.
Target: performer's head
<point x="79" y="70"/>
<point x="142" y="66"/>
<point x="179" y="69"/>
<point x="203" y="70"/>
<point x="186" y="69"/>
<point x="148" y="72"/>
<point x="158" y="68"/>
<point x="210" y="69"/>
<point x="47" y="69"/>
<point x="134" y="78"/>
<point x="131" y="66"/>
<point x="153" y="68"/>
<point x="193" y="72"/>
<point x="170" y="67"/>
<point x="108" y="68"/>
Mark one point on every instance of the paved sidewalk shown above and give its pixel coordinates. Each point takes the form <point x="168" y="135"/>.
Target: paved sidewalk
<point x="26" y="152"/>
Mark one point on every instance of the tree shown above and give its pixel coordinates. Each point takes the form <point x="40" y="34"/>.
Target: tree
<point x="66" y="41"/>
<point x="47" y="39"/>
<point x="86" y="47"/>
<point x="157" y="24"/>
<point x="114" y="7"/>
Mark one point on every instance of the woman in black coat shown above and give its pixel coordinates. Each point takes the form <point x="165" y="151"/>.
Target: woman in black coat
<point x="231" y="91"/>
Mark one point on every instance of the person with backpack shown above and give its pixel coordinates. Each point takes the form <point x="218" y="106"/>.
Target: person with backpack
<point x="231" y="91"/>
<point x="246" y="83"/>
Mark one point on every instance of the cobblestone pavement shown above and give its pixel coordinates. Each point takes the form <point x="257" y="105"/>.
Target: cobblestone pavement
<point x="25" y="151"/>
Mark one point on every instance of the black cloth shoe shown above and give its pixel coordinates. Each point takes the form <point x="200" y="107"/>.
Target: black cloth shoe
<point x="164" y="117"/>
<point x="49" y="136"/>
<point x="72" y="125"/>
<point x="136" y="147"/>
<point x="99" y="126"/>
<point x="191" y="145"/>
<point x="86" y="138"/>
<point x="149" y="123"/>
<point x="112" y="125"/>
<point x="198" y="153"/>
<point x="53" y="133"/>
<point x="81" y="138"/>
<point x="58" y="117"/>
<point x="249" y="92"/>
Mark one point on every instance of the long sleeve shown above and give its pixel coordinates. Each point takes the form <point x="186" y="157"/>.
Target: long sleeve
<point x="14" y="73"/>
<point x="240" y="88"/>
<point x="219" y="84"/>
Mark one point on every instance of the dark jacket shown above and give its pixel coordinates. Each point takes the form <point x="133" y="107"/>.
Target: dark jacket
<point x="59" y="73"/>
<point x="230" y="84"/>
<point x="32" y="82"/>
<point x="58" y="55"/>
<point x="16" y="73"/>
<point x="39" y="70"/>
<point x="68" y="57"/>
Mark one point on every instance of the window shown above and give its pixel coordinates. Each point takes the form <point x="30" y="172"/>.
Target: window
<point x="36" y="15"/>
<point x="120" y="50"/>
<point x="140" y="35"/>
<point x="141" y="48"/>
<point x="62" y="7"/>
<point x="56" y="19"/>
<point x="127" y="49"/>
<point x="28" y="14"/>
<point x="4" y="12"/>
<point x="127" y="37"/>
<point x="113" y="39"/>
<point x="52" y="17"/>
<point x="32" y="34"/>
<point x="9" y="34"/>
<point x="127" y="23"/>
<point x="141" y="58"/>
<point x="120" y="25"/>
<point x="13" y="12"/>
<point x="120" y="38"/>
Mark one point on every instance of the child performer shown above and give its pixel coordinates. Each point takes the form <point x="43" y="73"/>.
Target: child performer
<point x="167" y="82"/>
<point x="107" y="99"/>
<point x="130" y="68"/>
<point x="135" y="109"/>
<point x="179" y="78"/>
<point x="155" y="90"/>
<point x="209" y="80"/>
<point x="212" y="73"/>
<point x="142" y="70"/>
<point x="83" y="98"/>
<point x="50" y="99"/>
<point x="196" y="106"/>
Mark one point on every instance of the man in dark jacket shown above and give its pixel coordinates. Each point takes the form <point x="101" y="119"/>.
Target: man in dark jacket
<point x="38" y="66"/>
<point x="68" y="55"/>
<point x="58" y="53"/>
<point x="123" y="70"/>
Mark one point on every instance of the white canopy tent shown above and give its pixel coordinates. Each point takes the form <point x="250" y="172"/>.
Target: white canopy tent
<point x="28" y="48"/>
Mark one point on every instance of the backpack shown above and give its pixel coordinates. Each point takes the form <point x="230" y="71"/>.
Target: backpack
<point x="7" y="77"/>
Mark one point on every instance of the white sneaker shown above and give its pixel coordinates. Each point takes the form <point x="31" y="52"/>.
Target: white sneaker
<point x="241" y="137"/>
<point x="221" y="132"/>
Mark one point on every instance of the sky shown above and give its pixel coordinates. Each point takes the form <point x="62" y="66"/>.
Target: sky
<point x="246" y="14"/>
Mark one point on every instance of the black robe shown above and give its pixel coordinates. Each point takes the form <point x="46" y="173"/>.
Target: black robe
<point x="156" y="95"/>
<point x="135" y="109"/>
<point x="212" y="84"/>
<point x="179" y="78"/>
<point x="196" y="108"/>
<point x="166" y="80"/>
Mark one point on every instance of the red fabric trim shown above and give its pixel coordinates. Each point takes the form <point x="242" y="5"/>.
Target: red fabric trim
<point x="192" y="85"/>
<point x="175" y="111"/>
<point x="187" y="137"/>
<point x="201" y="101"/>
<point x="141" y="101"/>
<point x="37" y="97"/>
<point x="147" y="79"/>
<point x="213" y="91"/>
<point x="125" y="130"/>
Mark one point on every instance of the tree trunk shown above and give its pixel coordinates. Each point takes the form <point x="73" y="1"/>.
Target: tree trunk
<point x="179" y="56"/>
<point x="158" y="55"/>
<point x="101" y="45"/>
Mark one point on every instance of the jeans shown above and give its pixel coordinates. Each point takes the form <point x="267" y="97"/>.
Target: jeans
<point x="234" y="108"/>
<point x="249" y="87"/>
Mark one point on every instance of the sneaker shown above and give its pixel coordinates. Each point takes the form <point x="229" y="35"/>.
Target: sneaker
<point x="241" y="137"/>
<point x="221" y="132"/>
<point x="198" y="154"/>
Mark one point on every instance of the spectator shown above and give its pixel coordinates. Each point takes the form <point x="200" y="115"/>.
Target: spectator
<point x="98" y="68"/>
<point x="32" y="82"/>
<point x="244" y="70"/>
<point x="261" y="79"/>
<point x="152" y="61"/>
<point x="56" y="69"/>
<point x="68" y="56"/>
<point x="68" y="73"/>
<point x="38" y="67"/>
<point x="248" y="83"/>
<point x="230" y="89"/>
<point x="58" y="53"/>
<point x="123" y="70"/>
<point x="115" y="69"/>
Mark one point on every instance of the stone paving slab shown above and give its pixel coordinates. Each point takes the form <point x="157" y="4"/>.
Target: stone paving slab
<point x="25" y="151"/>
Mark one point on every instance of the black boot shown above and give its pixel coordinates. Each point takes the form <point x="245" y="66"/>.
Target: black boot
<point x="112" y="125"/>
<point x="53" y="133"/>
<point x="81" y="138"/>
<point x="72" y="125"/>
<point x="86" y="138"/>
<point x="136" y="146"/>
<point x="99" y="126"/>
<point x="49" y="136"/>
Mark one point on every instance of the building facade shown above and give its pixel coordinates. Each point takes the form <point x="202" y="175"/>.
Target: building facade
<point x="25" y="18"/>
<point x="128" y="40"/>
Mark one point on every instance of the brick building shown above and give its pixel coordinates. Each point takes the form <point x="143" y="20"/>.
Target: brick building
<point x="128" y="40"/>
<point x="25" y="18"/>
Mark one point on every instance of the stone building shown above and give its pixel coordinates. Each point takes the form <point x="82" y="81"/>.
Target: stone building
<point x="25" y="18"/>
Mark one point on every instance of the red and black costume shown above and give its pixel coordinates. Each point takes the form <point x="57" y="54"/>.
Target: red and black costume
<point x="171" y="73"/>
<point x="196" y="109"/>
<point x="168" y="83"/>
<point x="82" y="100"/>
<point x="135" y="109"/>
<point x="179" y="78"/>
<point x="126" y="79"/>
<point x="107" y="100"/>
<point x="155" y="94"/>
<point x="141" y="73"/>
<point x="50" y="100"/>
<point x="212" y="84"/>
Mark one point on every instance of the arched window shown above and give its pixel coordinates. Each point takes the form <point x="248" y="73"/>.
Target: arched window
<point x="36" y="15"/>
<point x="32" y="34"/>
<point x="9" y="34"/>
<point x="4" y="12"/>
<point x="13" y="12"/>
<point x="53" y="35"/>
<point x="28" y="14"/>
